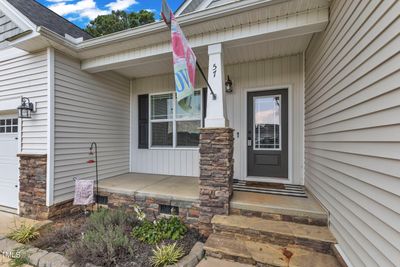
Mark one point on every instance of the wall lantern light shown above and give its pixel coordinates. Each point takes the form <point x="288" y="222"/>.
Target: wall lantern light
<point x="228" y="85"/>
<point x="26" y="108"/>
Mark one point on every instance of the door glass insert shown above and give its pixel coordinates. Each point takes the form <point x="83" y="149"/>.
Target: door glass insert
<point x="267" y="122"/>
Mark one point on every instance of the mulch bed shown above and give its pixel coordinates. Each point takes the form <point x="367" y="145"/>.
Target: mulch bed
<point x="59" y="236"/>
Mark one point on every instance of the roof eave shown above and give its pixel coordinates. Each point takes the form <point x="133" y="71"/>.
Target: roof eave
<point x="184" y="20"/>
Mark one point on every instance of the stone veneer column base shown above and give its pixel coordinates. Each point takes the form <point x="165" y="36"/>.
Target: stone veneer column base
<point x="216" y="175"/>
<point x="32" y="190"/>
<point x="32" y="186"/>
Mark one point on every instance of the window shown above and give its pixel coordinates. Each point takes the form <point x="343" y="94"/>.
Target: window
<point x="8" y="125"/>
<point x="172" y="126"/>
<point x="267" y="123"/>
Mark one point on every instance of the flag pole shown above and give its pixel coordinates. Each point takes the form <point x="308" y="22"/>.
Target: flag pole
<point x="204" y="77"/>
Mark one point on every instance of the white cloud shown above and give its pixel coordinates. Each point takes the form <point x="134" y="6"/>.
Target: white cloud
<point x="87" y="9"/>
<point x="57" y="1"/>
<point x="120" y="4"/>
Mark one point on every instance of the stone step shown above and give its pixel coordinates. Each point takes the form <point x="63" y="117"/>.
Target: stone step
<point x="257" y="253"/>
<point x="316" y="238"/>
<point x="279" y="208"/>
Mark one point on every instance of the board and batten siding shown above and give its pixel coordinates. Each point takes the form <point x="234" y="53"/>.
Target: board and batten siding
<point x="88" y="107"/>
<point x="264" y="74"/>
<point x="352" y="126"/>
<point x="24" y="74"/>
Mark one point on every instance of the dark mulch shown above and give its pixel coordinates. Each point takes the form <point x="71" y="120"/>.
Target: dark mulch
<point x="59" y="236"/>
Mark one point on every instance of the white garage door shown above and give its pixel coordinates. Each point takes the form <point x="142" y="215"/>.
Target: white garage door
<point x="9" y="162"/>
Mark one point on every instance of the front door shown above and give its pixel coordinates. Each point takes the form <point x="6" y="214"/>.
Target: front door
<point x="267" y="134"/>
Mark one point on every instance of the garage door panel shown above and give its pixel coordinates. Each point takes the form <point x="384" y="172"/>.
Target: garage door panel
<point x="11" y="190"/>
<point x="9" y="162"/>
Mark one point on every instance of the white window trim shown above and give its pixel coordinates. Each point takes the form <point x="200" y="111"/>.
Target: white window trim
<point x="280" y="124"/>
<point x="173" y="120"/>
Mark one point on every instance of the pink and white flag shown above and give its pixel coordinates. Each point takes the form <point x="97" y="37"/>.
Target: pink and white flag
<point x="183" y="58"/>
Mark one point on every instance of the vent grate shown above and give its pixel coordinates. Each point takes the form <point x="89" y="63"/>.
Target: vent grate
<point x="168" y="209"/>
<point x="102" y="200"/>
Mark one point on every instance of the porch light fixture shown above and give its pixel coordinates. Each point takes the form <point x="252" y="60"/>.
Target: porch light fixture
<point x="228" y="85"/>
<point x="26" y="108"/>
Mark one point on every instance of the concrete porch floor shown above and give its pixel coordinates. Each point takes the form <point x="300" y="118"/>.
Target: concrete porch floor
<point x="153" y="185"/>
<point x="187" y="188"/>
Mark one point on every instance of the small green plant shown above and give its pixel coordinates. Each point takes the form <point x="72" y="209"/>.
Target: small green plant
<point x="166" y="255"/>
<point x="24" y="233"/>
<point x="173" y="228"/>
<point x="165" y="228"/>
<point x="19" y="257"/>
<point x="147" y="232"/>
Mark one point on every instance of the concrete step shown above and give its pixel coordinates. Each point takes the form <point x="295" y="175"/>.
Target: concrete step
<point x="262" y="254"/>
<point x="279" y="208"/>
<point x="311" y="237"/>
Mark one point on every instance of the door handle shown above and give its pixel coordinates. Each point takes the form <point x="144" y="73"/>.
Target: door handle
<point x="248" y="142"/>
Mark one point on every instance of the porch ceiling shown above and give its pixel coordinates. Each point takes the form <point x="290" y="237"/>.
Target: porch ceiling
<point x="234" y="53"/>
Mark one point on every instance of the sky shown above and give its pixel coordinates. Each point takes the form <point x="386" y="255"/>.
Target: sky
<point x="81" y="12"/>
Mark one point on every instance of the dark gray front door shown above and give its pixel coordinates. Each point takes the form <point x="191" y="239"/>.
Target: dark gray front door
<point x="267" y="133"/>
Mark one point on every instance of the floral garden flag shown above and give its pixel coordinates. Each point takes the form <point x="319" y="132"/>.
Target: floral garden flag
<point x="84" y="192"/>
<point x="183" y="58"/>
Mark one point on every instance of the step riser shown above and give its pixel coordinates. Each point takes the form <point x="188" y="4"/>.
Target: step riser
<point x="224" y="256"/>
<point x="281" y="217"/>
<point x="274" y="238"/>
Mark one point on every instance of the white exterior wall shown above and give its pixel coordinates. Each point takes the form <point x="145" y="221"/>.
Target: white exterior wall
<point x="352" y="120"/>
<point x="23" y="74"/>
<point x="88" y="107"/>
<point x="271" y="73"/>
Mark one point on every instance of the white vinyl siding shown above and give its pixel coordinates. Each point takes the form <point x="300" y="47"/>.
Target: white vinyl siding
<point x="169" y="161"/>
<point x="7" y="28"/>
<point x="23" y="74"/>
<point x="352" y="121"/>
<point x="88" y="107"/>
<point x="277" y="72"/>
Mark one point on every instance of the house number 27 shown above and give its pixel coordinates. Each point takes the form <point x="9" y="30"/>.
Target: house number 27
<point x="215" y="69"/>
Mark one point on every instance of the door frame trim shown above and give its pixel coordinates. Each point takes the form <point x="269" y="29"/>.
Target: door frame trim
<point x="290" y="135"/>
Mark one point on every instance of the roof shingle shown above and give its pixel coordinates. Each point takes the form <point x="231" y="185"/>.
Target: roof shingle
<point x="42" y="16"/>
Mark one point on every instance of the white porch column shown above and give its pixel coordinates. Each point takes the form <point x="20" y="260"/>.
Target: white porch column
<point x="216" y="108"/>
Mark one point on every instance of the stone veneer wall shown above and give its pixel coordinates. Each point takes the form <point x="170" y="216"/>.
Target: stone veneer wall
<point x="188" y="210"/>
<point x="32" y="186"/>
<point x="216" y="174"/>
<point x="32" y="190"/>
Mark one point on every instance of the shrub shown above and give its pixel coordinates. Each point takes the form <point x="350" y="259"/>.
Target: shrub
<point x="24" y="233"/>
<point x="104" y="217"/>
<point x="166" y="255"/>
<point x="105" y="242"/>
<point x="165" y="228"/>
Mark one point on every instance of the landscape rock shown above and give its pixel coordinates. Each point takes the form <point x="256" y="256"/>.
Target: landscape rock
<point x="53" y="260"/>
<point x="188" y="261"/>
<point x="198" y="250"/>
